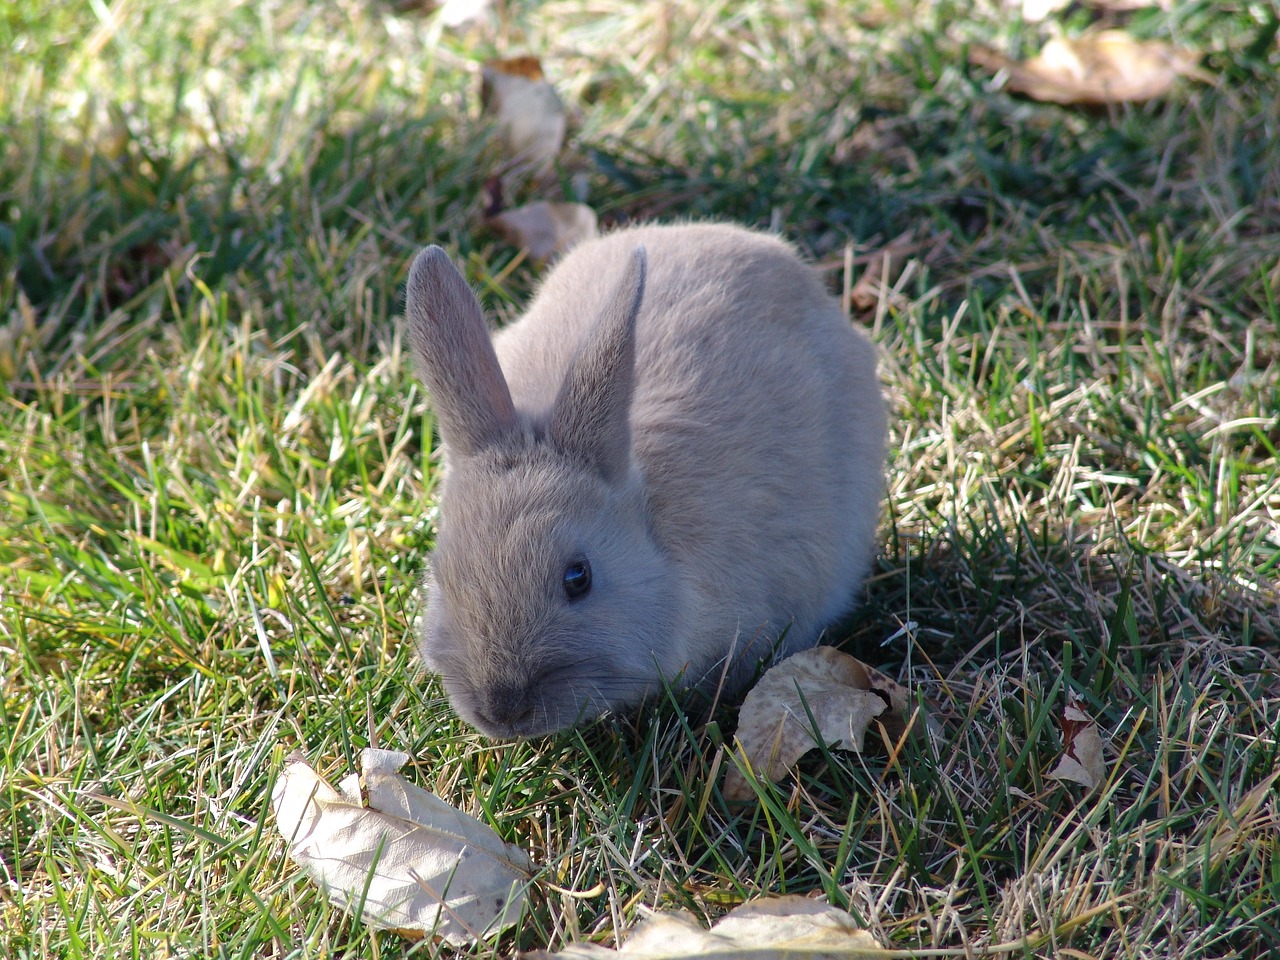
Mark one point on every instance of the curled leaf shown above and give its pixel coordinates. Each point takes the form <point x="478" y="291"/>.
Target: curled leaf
<point x="1033" y="11"/>
<point x="404" y="857"/>
<point x="545" y="229"/>
<point x="1120" y="6"/>
<point x="1105" y="67"/>
<point x="1082" y="760"/>
<point x="791" y="927"/>
<point x="462" y="13"/>
<point x="842" y="694"/>
<point x="527" y="110"/>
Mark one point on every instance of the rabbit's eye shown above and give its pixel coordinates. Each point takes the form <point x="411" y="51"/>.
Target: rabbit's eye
<point x="577" y="578"/>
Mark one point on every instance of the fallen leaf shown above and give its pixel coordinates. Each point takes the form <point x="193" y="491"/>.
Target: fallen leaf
<point x="1034" y="11"/>
<point x="545" y="229"/>
<point x="527" y="110"/>
<point x="407" y="859"/>
<point x="1120" y="6"/>
<point x="461" y="13"/>
<point x="1098" y="68"/>
<point x="791" y="927"/>
<point x="844" y="696"/>
<point x="1081" y="760"/>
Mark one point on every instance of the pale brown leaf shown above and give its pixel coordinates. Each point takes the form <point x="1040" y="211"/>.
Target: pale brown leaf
<point x="411" y="862"/>
<point x="1033" y="11"/>
<point x="791" y="927"/>
<point x="844" y="696"/>
<point x="1105" y="67"/>
<point x="528" y="112"/>
<point x="546" y="229"/>
<point x="1119" y="6"/>
<point x="462" y="13"/>
<point x="1082" y="760"/>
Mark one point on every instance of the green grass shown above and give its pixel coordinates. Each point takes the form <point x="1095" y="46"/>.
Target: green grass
<point x="215" y="473"/>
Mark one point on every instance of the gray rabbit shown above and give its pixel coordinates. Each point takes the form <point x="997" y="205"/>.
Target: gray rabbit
<point x="669" y="469"/>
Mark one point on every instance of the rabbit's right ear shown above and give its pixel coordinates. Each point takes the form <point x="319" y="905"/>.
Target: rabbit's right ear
<point x="451" y="344"/>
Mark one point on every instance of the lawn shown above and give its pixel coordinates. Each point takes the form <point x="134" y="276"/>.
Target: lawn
<point x="216" y="466"/>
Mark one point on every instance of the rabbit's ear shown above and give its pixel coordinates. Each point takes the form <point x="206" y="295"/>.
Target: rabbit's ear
<point x="450" y="341"/>
<point x="591" y="416"/>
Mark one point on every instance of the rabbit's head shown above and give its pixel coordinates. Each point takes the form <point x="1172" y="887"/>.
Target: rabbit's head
<point x="548" y="601"/>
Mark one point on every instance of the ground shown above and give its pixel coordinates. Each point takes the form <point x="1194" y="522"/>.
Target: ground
<point x="216" y="466"/>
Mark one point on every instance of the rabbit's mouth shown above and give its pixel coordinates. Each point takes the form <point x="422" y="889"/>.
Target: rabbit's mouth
<point x="510" y="710"/>
<point x="547" y="704"/>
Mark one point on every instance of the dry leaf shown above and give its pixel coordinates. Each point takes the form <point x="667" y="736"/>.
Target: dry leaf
<point x="409" y="860"/>
<point x="546" y="229"/>
<point x="843" y="694"/>
<point x="1034" y="11"/>
<point x="791" y="927"/>
<point x="1098" y="68"/>
<point x="1082" y="759"/>
<point x="461" y="13"/>
<point x="527" y="110"/>
<point x="1121" y="6"/>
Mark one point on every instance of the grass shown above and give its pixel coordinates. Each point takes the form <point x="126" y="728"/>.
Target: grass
<point x="216" y="484"/>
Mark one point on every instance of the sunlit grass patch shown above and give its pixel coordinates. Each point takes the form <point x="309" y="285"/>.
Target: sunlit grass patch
<point x="216" y="468"/>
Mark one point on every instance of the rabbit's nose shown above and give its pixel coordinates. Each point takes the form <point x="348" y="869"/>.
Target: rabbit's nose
<point x="508" y="706"/>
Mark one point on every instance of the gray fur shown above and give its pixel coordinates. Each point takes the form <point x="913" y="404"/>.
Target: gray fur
<point x="686" y="407"/>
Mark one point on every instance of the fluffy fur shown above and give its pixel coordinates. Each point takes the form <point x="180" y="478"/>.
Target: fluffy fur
<point x="687" y="408"/>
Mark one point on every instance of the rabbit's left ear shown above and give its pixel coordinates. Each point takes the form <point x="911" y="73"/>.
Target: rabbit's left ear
<point x="591" y="418"/>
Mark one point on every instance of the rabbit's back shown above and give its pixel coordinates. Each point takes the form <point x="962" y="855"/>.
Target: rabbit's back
<point x="757" y="423"/>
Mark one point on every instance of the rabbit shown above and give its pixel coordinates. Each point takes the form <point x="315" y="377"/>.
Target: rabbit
<point x="667" y="471"/>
